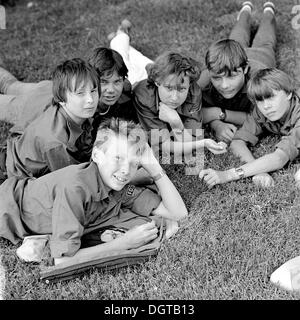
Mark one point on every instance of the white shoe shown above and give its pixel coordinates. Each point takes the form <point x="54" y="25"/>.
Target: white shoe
<point x="248" y="6"/>
<point x="287" y="276"/>
<point x="32" y="248"/>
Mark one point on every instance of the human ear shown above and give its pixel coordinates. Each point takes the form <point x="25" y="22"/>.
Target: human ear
<point x="98" y="155"/>
<point x="246" y="69"/>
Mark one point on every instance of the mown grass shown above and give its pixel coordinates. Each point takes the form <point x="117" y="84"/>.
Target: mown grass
<point x="236" y="235"/>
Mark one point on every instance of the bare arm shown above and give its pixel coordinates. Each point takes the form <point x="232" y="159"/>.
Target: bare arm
<point x="172" y="205"/>
<point x="133" y="238"/>
<point x="234" y="117"/>
<point x="259" y="167"/>
<point x="187" y="147"/>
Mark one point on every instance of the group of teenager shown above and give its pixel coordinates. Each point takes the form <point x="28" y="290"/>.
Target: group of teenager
<point x="80" y="156"/>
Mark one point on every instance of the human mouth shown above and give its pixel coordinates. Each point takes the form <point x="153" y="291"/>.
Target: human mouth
<point x="111" y="98"/>
<point x="121" y="179"/>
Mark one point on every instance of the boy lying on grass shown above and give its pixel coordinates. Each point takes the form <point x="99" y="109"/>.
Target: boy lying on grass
<point x="277" y="110"/>
<point x="168" y="105"/>
<point x="230" y="63"/>
<point x="62" y="134"/>
<point x="78" y="199"/>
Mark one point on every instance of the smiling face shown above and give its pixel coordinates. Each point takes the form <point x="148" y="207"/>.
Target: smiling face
<point x="275" y="107"/>
<point x="117" y="161"/>
<point x="228" y="85"/>
<point x="173" y="90"/>
<point x="81" y="103"/>
<point x="111" y="88"/>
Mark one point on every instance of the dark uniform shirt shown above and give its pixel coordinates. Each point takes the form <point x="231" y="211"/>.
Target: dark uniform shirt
<point x="68" y="203"/>
<point x="52" y="141"/>
<point x="240" y="102"/>
<point x="146" y="102"/>
<point x="123" y="108"/>
<point x="288" y="127"/>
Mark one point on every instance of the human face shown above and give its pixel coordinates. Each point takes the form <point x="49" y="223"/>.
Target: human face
<point x="117" y="162"/>
<point x="82" y="103"/>
<point x="276" y="107"/>
<point x="172" y="92"/>
<point x="111" y="88"/>
<point x="228" y="86"/>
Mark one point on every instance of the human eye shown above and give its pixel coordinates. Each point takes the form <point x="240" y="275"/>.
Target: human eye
<point x="182" y="89"/>
<point x="216" y="78"/>
<point x="119" y="81"/>
<point x="103" y="81"/>
<point x="169" y="88"/>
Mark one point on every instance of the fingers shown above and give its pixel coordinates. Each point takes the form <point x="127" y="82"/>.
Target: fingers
<point x="232" y="127"/>
<point x="203" y="173"/>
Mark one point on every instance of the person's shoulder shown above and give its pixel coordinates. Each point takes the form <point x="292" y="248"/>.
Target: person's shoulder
<point x="144" y="93"/>
<point x="50" y="127"/>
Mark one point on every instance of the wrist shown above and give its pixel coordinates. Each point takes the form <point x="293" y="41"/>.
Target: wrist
<point x="153" y="169"/>
<point x="159" y="175"/>
<point x="237" y="173"/>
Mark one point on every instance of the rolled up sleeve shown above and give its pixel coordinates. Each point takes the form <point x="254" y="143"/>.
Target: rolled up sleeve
<point x="290" y="143"/>
<point x="249" y="132"/>
<point x="142" y="201"/>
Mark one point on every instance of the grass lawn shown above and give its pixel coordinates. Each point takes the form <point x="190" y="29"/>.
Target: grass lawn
<point x="236" y="234"/>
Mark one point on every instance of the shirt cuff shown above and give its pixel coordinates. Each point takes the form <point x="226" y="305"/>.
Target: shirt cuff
<point x="290" y="150"/>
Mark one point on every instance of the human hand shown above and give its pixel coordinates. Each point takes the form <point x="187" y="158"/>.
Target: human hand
<point x="171" y="228"/>
<point x="215" y="147"/>
<point x="149" y="162"/>
<point x="223" y="131"/>
<point x="139" y="235"/>
<point x="213" y="177"/>
<point x="169" y="115"/>
<point x="263" y="180"/>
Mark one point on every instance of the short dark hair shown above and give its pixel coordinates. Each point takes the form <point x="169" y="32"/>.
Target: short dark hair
<point x="107" y="61"/>
<point x="263" y="82"/>
<point x="173" y="63"/>
<point x="69" y="75"/>
<point x="225" y="55"/>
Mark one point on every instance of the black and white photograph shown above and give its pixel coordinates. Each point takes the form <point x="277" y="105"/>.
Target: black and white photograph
<point x="150" y="151"/>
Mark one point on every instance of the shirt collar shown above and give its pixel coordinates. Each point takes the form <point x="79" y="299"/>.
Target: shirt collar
<point x="102" y="192"/>
<point x="293" y="103"/>
<point x="74" y="128"/>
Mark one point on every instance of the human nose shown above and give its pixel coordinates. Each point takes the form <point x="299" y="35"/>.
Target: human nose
<point x="224" y="83"/>
<point x="266" y="106"/>
<point x="125" y="167"/>
<point x="89" y="97"/>
<point x="174" y="94"/>
<point x="109" y="87"/>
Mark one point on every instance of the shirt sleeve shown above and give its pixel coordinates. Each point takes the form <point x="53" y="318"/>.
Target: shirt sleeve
<point x="68" y="219"/>
<point x="142" y="201"/>
<point x="157" y="129"/>
<point x="58" y="157"/>
<point x="250" y="130"/>
<point x="290" y="143"/>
